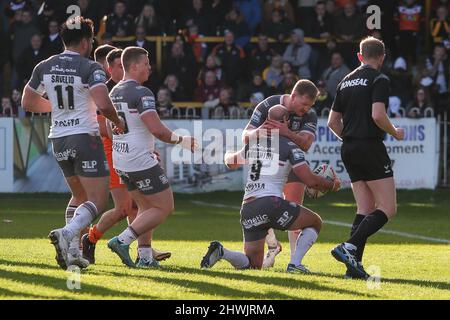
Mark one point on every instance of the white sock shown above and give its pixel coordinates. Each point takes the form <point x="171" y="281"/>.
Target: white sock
<point x="349" y="246"/>
<point x="145" y="253"/>
<point x="70" y="212"/>
<point x="304" y="242"/>
<point x="237" y="259"/>
<point x="128" y="236"/>
<point x="271" y="239"/>
<point x="74" y="243"/>
<point x="83" y="217"/>
<point x="293" y="236"/>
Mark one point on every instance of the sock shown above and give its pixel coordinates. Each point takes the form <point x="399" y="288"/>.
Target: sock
<point x="370" y="225"/>
<point x="304" y="242"/>
<point x="83" y="217"/>
<point x="356" y="223"/>
<point x="128" y="236"/>
<point x="293" y="236"/>
<point x="271" y="239"/>
<point x="237" y="259"/>
<point x="145" y="252"/>
<point x="70" y="211"/>
<point x="94" y="234"/>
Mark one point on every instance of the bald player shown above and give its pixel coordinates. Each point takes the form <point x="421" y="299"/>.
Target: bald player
<point x="264" y="207"/>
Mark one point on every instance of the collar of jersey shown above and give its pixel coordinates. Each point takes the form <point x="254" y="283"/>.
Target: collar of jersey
<point x="70" y="52"/>
<point x="128" y="80"/>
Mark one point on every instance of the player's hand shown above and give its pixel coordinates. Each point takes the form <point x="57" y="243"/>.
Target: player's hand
<point x="336" y="184"/>
<point x="119" y="127"/>
<point x="158" y="155"/>
<point x="276" y="125"/>
<point x="189" y="143"/>
<point x="399" y="134"/>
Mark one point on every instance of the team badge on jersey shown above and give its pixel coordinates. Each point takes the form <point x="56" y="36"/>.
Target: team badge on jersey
<point x="148" y="102"/>
<point x="100" y="75"/>
<point x="295" y="125"/>
<point x="298" y="154"/>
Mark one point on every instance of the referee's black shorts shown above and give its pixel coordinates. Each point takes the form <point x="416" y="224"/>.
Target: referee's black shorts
<point x="366" y="160"/>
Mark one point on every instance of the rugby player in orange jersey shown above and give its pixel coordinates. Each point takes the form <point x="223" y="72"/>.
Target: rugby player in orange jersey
<point x="124" y="207"/>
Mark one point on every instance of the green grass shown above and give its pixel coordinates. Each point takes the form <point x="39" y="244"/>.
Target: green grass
<point x="410" y="268"/>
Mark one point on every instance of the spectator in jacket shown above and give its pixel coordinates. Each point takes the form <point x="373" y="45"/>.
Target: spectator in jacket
<point x="120" y="24"/>
<point x="298" y="53"/>
<point x="335" y="73"/>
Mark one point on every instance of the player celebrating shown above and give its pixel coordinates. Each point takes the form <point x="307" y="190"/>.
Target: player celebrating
<point x="359" y="118"/>
<point x="123" y="204"/>
<point x="134" y="158"/>
<point x="300" y="129"/>
<point x="76" y="87"/>
<point x="264" y="207"/>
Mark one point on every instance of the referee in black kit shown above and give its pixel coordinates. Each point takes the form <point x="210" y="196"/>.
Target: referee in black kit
<point x="359" y="118"/>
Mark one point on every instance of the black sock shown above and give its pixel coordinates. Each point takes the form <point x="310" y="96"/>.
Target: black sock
<point x="370" y="225"/>
<point x="360" y="251"/>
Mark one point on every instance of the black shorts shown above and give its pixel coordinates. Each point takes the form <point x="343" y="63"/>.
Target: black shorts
<point x="81" y="155"/>
<point x="148" y="181"/>
<point x="264" y="213"/>
<point x="366" y="160"/>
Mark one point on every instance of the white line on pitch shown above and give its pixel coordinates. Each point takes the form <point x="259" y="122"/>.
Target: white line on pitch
<point x="338" y="223"/>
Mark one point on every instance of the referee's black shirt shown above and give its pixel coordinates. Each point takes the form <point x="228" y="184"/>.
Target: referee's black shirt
<point x="354" y="98"/>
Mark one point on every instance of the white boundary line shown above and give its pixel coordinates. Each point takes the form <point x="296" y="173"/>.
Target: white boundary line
<point x="340" y="224"/>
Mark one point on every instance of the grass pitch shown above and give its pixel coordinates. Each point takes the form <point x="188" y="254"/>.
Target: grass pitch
<point x="410" y="267"/>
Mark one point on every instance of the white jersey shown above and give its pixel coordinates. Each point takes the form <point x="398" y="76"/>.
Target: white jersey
<point x="67" y="79"/>
<point x="269" y="167"/>
<point x="133" y="150"/>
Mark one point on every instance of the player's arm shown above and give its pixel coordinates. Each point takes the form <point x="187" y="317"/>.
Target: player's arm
<point x="303" y="140"/>
<point x="234" y="160"/>
<point x="312" y="180"/>
<point x="102" y="126"/>
<point x="99" y="94"/>
<point x="335" y="123"/>
<point x="379" y="99"/>
<point x="32" y="99"/>
<point x="256" y="121"/>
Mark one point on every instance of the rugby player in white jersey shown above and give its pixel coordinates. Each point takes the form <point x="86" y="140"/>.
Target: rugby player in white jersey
<point x="75" y="87"/>
<point x="264" y="207"/>
<point x="134" y="158"/>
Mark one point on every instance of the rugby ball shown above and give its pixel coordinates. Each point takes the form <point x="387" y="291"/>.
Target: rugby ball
<point x="326" y="171"/>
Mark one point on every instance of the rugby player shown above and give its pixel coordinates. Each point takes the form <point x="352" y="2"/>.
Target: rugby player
<point x="358" y="117"/>
<point x="75" y="87"/>
<point x="123" y="204"/>
<point x="301" y="129"/>
<point x="264" y="207"/>
<point x="134" y="158"/>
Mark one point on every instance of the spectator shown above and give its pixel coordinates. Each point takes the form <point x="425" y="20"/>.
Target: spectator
<point x="163" y="103"/>
<point x="349" y="26"/>
<point x="176" y="90"/>
<point x="409" y="19"/>
<point x="394" y="107"/>
<point x="52" y="43"/>
<point x="212" y="64"/>
<point x="324" y="99"/>
<point x="226" y="102"/>
<point x="234" y="21"/>
<point x="278" y="27"/>
<point x="325" y="52"/>
<point x="330" y="7"/>
<point x="142" y="42"/>
<point x="120" y="24"/>
<point x="209" y="90"/>
<point x="232" y="58"/>
<point x="287" y="68"/>
<point x="304" y="12"/>
<point x="401" y="81"/>
<point x="261" y="56"/>
<point x="93" y="10"/>
<point x="4" y="55"/>
<point x="16" y="99"/>
<point x="257" y="86"/>
<point x="29" y="58"/>
<point x="288" y="83"/>
<point x="322" y="24"/>
<point x="199" y="16"/>
<point x="437" y="69"/>
<point x="217" y="10"/>
<point x="6" y="110"/>
<point x="298" y="53"/>
<point x="182" y="66"/>
<point x="198" y="48"/>
<point x="273" y="74"/>
<point x="251" y="10"/>
<point x="417" y="107"/>
<point x="335" y="73"/>
<point x="149" y="21"/>
<point x="440" y="25"/>
<point x="22" y="30"/>
<point x="282" y="5"/>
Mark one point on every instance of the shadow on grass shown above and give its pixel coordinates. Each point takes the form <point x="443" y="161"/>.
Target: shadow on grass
<point x="29" y="264"/>
<point x="8" y="294"/>
<point x="60" y="284"/>
<point x="214" y="288"/>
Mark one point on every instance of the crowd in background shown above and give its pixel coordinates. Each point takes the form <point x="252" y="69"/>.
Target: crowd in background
<point x="221" y="75"/>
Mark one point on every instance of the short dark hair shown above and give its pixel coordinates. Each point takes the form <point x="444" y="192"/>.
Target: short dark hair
<point x="113" y="55"/>
<point x="73" y="36"/>
<point x="101" y="52"/>
<point x="305" y="86"/>
<point x="131" y="55"/>
<point x="371" y="47"/>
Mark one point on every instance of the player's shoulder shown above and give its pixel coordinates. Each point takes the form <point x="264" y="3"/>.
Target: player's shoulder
<point x="270" y="101"/>
<point x="143" y="90"/>
<point x="311" y="114"/>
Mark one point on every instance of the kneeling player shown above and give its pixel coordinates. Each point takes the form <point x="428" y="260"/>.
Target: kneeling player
<point x="264" y="207"/>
